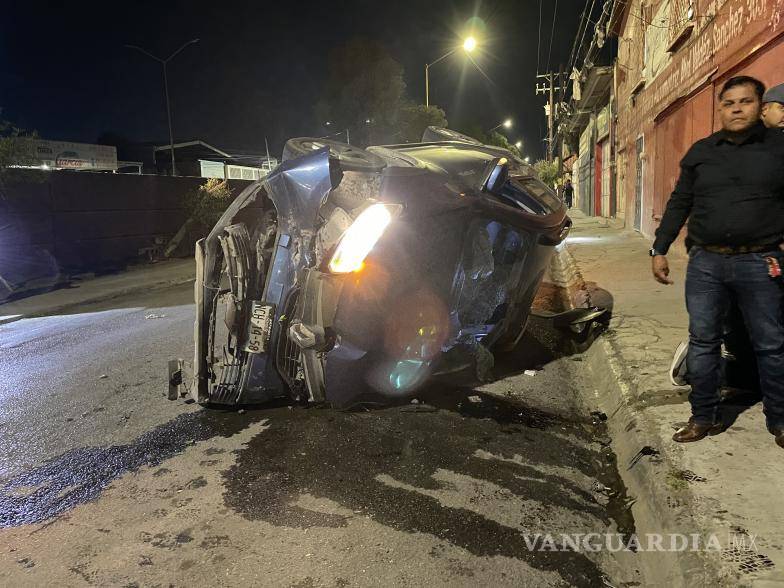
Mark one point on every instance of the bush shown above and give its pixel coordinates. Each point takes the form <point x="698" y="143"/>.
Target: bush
<point x="547" y="171"/>
<point x="206" y="204"/>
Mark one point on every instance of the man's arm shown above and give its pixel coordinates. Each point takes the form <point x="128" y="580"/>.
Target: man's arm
<point x="678" y="209"/>
<point x="675" y="215"/>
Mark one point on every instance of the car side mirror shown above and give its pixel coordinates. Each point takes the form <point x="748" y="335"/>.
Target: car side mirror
<point x="495" y="175"/>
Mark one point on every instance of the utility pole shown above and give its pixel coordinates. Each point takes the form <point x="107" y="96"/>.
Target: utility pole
<point x="549" y="88"/>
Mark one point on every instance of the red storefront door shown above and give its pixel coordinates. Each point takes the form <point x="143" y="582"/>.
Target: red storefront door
<point x="675" y="134"/>
<point x="597" y="181"/>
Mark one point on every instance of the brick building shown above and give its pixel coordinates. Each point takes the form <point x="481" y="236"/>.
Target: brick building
<point x="670" y="59"/>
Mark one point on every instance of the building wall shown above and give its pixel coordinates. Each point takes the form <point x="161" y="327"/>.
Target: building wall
<point x="89" y="221"/>
<point x="676" y="105"/>
<point x="584" y="165"/>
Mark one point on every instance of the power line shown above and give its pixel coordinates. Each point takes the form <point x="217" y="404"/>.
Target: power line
<point x="583" y="23"/>
<point x="539" y="42"/>
<point x="579" y="45"/>
<point x="552" y="34"/>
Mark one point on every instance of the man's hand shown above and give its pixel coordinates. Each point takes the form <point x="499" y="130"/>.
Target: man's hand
<point x="661" y="269"/>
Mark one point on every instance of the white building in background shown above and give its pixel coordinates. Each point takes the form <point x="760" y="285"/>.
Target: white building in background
<point x="45" y="154"/>
<point x="220" y="169"/>
<point x="200" y="159"/>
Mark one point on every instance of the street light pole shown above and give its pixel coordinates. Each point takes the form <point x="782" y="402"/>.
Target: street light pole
<point x="163" y="63"/>
<point x="168" y="118"/>
<point x="469" y="44"/>
<point x="507" y="124"/>
<point x="427" y="75"/>
<point x="427" y="85"/>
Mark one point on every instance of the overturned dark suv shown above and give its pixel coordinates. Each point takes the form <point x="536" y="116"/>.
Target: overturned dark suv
<point x="352" y="276"/>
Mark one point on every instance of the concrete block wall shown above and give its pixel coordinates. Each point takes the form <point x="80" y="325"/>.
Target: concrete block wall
<point x="76" y="222"/>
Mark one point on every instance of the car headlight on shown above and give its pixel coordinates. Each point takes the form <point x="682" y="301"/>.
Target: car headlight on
<point x="360" y="238"/>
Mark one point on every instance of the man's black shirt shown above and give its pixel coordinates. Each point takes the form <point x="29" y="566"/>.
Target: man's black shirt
<point x="732" y="193"/>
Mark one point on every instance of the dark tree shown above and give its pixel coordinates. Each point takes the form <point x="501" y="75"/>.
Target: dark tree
<point x="415" y="118"/>
<point x="364" y="92"/>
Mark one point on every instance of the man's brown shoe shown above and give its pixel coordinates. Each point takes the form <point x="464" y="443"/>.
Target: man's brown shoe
<point x="696" y="431"/>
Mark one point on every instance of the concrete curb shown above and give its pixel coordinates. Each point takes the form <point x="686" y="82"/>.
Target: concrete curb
<point x="660" y="508"/>
<point x="103" y="297"/>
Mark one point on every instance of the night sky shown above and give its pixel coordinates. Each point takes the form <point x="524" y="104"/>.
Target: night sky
<point x="259" y="67"/>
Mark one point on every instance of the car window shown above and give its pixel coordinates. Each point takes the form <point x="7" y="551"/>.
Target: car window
<point x="530" y="195"/>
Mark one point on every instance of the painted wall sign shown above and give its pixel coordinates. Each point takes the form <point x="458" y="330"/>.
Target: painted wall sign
<point x="69" y="155"/>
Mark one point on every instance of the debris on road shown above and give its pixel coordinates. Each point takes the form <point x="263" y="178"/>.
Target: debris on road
<point x="690" y="476"/>
<point x="530" y="372"/>
<point x="418" y="408"/>
<point x="102" y="377"/>
<point x="598" y="417"/>
<point x="474" y="399"/>
<point x="154" y="316"/>
<point x="646" y="450"/>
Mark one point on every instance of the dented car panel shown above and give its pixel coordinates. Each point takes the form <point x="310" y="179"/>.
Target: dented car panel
<point x="447" y="280"/>
<point x="296" y="190"/>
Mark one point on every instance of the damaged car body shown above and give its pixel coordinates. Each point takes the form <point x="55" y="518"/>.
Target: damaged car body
<point x="351" y="276"/>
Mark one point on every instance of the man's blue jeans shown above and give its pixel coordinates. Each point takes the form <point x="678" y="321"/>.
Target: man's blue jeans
<point x="711" y="278"/>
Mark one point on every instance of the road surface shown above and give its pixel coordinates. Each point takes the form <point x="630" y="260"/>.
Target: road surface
<point x="103" y="481"/>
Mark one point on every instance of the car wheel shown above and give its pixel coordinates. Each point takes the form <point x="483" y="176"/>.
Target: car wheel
<point x="351" y="158"/>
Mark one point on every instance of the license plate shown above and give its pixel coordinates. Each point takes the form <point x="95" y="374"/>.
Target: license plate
<point x="260" y="327"/>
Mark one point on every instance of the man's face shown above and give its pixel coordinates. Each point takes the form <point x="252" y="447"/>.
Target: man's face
<point x="739" y="108"/>
<point x="773" y="115"/>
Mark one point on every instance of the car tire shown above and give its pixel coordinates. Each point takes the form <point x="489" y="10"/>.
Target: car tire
<point x="350" y="157"/>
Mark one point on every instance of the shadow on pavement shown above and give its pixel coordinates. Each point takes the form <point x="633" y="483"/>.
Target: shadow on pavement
<point x="80" y="475"/>
<point x="389" y="464"/>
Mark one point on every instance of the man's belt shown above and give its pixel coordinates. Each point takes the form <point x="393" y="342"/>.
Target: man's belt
<point x="740" y="249"/>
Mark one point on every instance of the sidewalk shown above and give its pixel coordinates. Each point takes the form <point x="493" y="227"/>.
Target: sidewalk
<point x="139" y="278"/>
<point x="730" y="484"/>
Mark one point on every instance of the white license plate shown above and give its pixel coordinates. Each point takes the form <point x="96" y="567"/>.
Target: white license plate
<point x="260" y="327"/>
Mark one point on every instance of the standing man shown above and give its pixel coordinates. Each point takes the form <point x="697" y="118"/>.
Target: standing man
<point x="568" y="192"/>
<point x="741" y="368"/>
<point x="731" y="189"/>
<point x="773" y="108"/>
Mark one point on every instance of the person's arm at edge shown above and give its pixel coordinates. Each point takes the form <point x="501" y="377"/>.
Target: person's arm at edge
<point x="678" y="209"/>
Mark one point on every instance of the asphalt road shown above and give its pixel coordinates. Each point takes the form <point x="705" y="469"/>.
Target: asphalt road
<point x="103" y="481"/>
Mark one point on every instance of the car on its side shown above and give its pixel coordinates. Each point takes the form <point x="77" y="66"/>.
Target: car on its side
<point x="355" y="276"/>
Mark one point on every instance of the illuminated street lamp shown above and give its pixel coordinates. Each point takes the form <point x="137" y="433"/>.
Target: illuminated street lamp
<point x="519" y="144"/>
<point x="507" y="124"/>
<point x="469" y="44"/>
<point x="527" y="159"/>
<point x="163" y="62"/>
